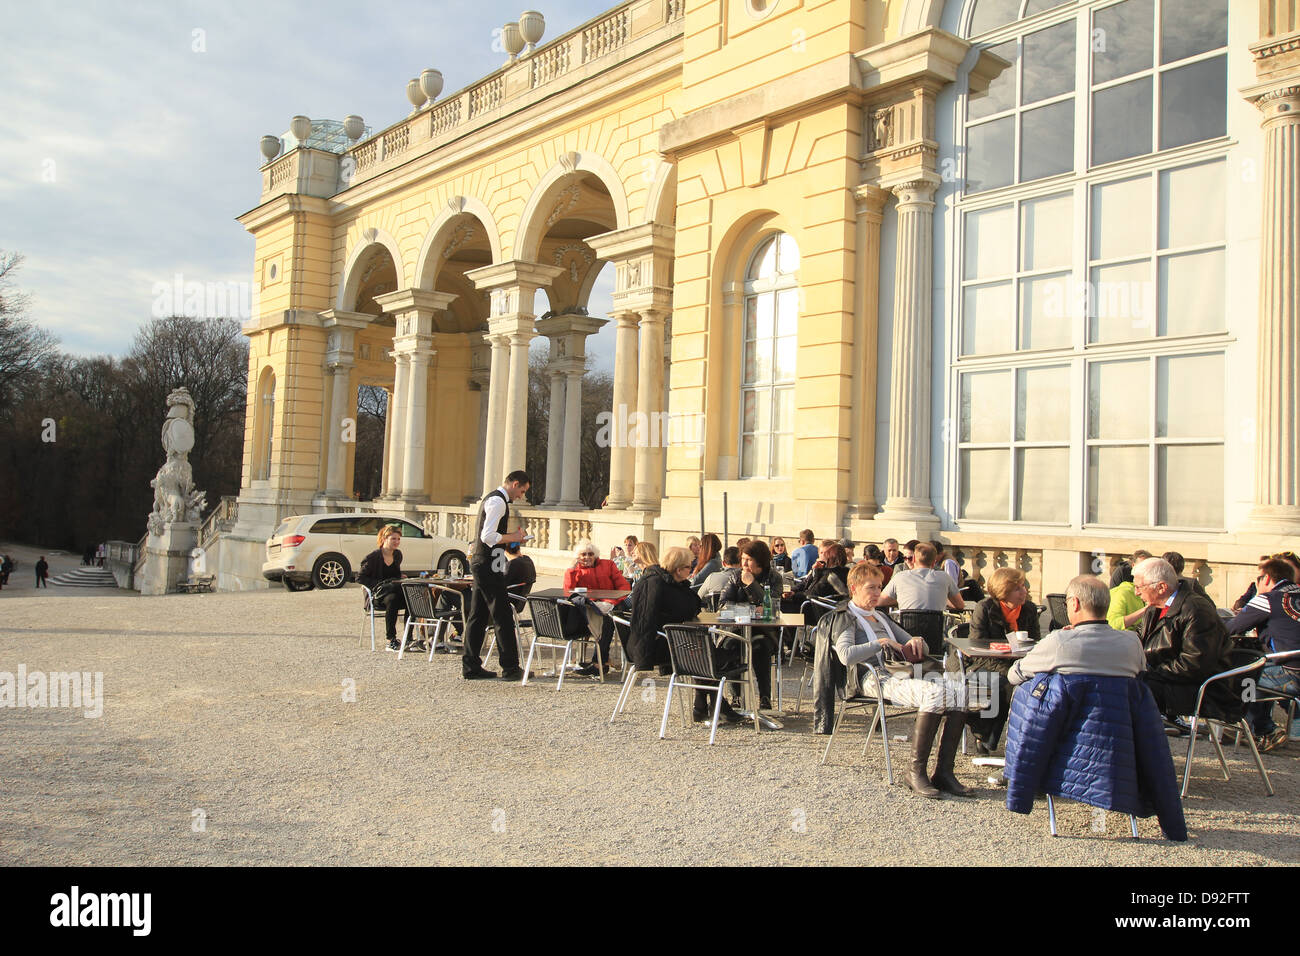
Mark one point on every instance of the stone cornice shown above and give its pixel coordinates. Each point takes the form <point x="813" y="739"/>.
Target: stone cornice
<point x="932" y="56"/>
<point x="415" y="300"/>
<point x="332" y="318"/>
<point x="281" y="206"/>
<point x="828" y="80"/>
<point x="650" y="237"/>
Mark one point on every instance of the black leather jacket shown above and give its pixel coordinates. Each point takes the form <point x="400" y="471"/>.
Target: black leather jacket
<point x="1189" y="644"/>
<point x="657" y="600"/>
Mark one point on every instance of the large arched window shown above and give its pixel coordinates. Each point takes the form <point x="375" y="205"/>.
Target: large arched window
<point x="770" y="348"/>
<point x="264" y="426"/>
<point x="1091" y="317"/>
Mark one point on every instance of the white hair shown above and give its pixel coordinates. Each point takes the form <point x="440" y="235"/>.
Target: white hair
<point x="583" y="547"/>
<point x="1157" y="571"/>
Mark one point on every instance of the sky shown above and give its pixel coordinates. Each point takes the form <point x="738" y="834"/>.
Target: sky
<point x="129" y="133"/>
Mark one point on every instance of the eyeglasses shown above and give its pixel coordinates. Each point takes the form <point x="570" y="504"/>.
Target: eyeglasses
<point x="872" y="587"/>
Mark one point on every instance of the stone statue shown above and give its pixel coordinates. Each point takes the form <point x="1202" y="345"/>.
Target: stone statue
<point x="175" y="499"/>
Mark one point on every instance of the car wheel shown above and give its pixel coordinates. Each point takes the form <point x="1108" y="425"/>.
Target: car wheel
<point x="453" y="562"/>
<point x="330" y="571"/>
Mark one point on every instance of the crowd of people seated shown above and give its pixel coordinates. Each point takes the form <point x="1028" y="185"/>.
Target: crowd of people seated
<point x="1150" y="623"/>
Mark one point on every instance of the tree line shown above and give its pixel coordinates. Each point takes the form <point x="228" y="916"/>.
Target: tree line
<point x="80" y="437"/>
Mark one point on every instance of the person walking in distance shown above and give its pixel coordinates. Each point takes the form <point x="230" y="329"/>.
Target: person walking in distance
<point x="488" y="564"/>
<point x="42" y="572"/>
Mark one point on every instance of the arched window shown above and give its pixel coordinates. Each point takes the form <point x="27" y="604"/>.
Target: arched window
<point x="770" y="346"/>
<point x="265" y="426"/>
<point x="1092" y="266"/>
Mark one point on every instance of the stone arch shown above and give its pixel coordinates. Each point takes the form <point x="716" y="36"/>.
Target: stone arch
<point x="349" y="284"/>
<point x="426" y="265"/>
<point x="263" y="424"/>
<point x="661" y="203"/>
<point x="920" y="14"/>
<point x="533" y="225"/>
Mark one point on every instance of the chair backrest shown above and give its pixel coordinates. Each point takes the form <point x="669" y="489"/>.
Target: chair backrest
<point x="925" y="624"/>
<point x="1060" y="616"/>
<point x="419" y="599"/>
<point x="545" y="615"/>
<point x="368" y="600"/>
<point x="691" y="651"/>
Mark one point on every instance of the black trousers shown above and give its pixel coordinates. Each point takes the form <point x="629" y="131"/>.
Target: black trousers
<point x="490" y="600"/>
<point x="393" y="604"/>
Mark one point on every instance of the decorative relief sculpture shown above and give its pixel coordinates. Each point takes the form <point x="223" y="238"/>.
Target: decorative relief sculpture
<point x="175" y="499"/>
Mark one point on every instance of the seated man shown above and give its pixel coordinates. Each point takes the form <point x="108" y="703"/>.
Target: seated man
<point x="859" y="633"/>
<point x="1274" y="612"/>
<point x="717" y="582"/>
<point x="1185" y="643"/>
<point x="923" y="588"/>
<point x="1088" y="645"/>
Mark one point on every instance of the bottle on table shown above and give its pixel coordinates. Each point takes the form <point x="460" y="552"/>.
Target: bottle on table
<point x="767" y="602"/>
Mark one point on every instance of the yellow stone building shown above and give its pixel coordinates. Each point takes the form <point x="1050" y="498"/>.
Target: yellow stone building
<point x="1019" y="274"/>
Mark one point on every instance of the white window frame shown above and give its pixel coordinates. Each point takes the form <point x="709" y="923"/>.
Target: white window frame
<point x="754" y="288"/>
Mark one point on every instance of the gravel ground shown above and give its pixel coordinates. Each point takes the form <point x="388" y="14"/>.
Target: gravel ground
<point x="226" y="739"/>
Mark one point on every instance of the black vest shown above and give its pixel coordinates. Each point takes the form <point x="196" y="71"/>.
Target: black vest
<point x="481" y="553"/>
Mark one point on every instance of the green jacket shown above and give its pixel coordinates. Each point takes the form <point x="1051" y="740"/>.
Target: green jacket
<point x="1123" y="602"/>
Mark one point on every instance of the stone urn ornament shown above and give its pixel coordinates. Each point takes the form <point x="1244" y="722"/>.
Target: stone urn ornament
<point x="431" y="84"/>
<point x="353" y="127"/>
<point x="300" y="126"/>
<point x="270" y="147"/>
<point x="415" y="94"/>
<point x="532" y="25"/>
<point x="512" y="40"/>
<point x="175" y="499"/>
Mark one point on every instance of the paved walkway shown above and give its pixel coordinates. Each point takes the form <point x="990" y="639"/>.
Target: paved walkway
<point x="252" y="728"/>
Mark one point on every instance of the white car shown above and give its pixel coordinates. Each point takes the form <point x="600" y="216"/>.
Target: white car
<point x="323" y="550"/>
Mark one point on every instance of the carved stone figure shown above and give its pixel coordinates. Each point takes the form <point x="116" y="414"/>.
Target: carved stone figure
<point x="175" y="499"/>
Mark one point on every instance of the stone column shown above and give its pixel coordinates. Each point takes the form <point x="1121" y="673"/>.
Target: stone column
<point x="908" y="481"/>
<point x="512" y="287"/>
<point x="516" y="438"/>
<point x="416" y="422"/>
<point x="569" y="496"/>
<point x="649" y="489"/>
<point x="494" y="438"/>
<point x="397" y="433"/>
<point x="555" y="435"/>
<point x="622" y="457"/>
<point x="1277" y="433"/>
<point x="480" y="450"/>
<point x="342" y="328"/>
<point x="862" y="471"/>
<point x="340" y="407"/>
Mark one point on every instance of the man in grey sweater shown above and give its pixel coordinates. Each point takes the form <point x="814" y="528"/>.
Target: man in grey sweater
<point x="1089" y="645"/>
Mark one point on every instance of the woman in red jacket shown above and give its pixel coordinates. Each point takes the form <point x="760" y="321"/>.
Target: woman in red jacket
<point x="593" y="572"/>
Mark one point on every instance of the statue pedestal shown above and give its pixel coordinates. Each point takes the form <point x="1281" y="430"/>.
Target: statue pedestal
<point x="167" y="558"/>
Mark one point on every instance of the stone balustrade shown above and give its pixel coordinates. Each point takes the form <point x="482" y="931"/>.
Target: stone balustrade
<point x="623" y="33"/>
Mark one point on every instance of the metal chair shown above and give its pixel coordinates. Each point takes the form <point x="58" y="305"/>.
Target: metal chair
<point x="422" y="615"/>
<point x="925" y="624"/>
<point x="368" y="611"/>
<point x="801" y="641"/>
<point x="871" y="691"/>
<point x="1051" y="819"/>
<point x="1060" y="615"/>
<point x="518" y="602"/>
<point x="442" y="637"/>
<point x="690" y="647"/>
<point x="548" y="631"/>
<point x="621" y="628"/>
<point x="1276" y="695"/>
<point x="1245" y="663"/>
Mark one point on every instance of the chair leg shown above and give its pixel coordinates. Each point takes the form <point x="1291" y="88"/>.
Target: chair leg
<point x="1215" y="733"/>
<point x="406" y="629"/>
<point x="834" y="729"/>
<point x="528" y="667"/>
<point x="564" y="664"/>
<point x="1133" y="825"/>
<point x="1259" y="763"/>
<point x="1051" y="815"/>
<point x="1187" y="767"/>
<point x="717" y="710"/>
<point x="623" y="694"/>
<point x="663" y="725"/>
<point x="600" y="662"/>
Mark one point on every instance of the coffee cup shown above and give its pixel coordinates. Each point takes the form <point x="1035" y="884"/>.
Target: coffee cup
<point x="1019" y="638"/>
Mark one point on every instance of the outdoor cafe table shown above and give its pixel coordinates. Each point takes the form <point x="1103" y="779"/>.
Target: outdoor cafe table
<point x="745" y="631"/>
<point x="555" y="594"/>
<point x="967" y="647"/>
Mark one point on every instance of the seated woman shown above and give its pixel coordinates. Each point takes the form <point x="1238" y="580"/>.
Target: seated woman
<point x="1006" y="609"/>
<point x="662" y="596"/>
<point x="708" y="560"/>
<point x="747" y="587"/>
<point x="385" y="564"/>
<point x="859" y="633"/>
<point x="780" y="555"/>
<point x="594" y="573"/>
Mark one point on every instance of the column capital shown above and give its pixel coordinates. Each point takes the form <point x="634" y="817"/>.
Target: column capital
<point x="337" y="318"/>
<point x="642" y="257"/>
<point x="916" y="192"/>
<point x="512" y="285"/>
<point x="870" y="201"/>
<point x="415" y="300"/>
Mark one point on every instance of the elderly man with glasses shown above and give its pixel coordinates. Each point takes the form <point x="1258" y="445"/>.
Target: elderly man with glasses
<point x="1184" y="640"/>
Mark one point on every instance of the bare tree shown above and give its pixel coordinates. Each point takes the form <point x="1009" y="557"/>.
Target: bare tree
<point x="372" y="418"/>
<point x="25" y="349"/>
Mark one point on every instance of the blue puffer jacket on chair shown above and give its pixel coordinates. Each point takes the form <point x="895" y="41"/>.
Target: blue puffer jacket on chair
<point x="1097" y="740"/>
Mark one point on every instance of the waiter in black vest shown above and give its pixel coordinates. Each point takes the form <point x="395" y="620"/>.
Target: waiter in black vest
<point x="488" y="563"/>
